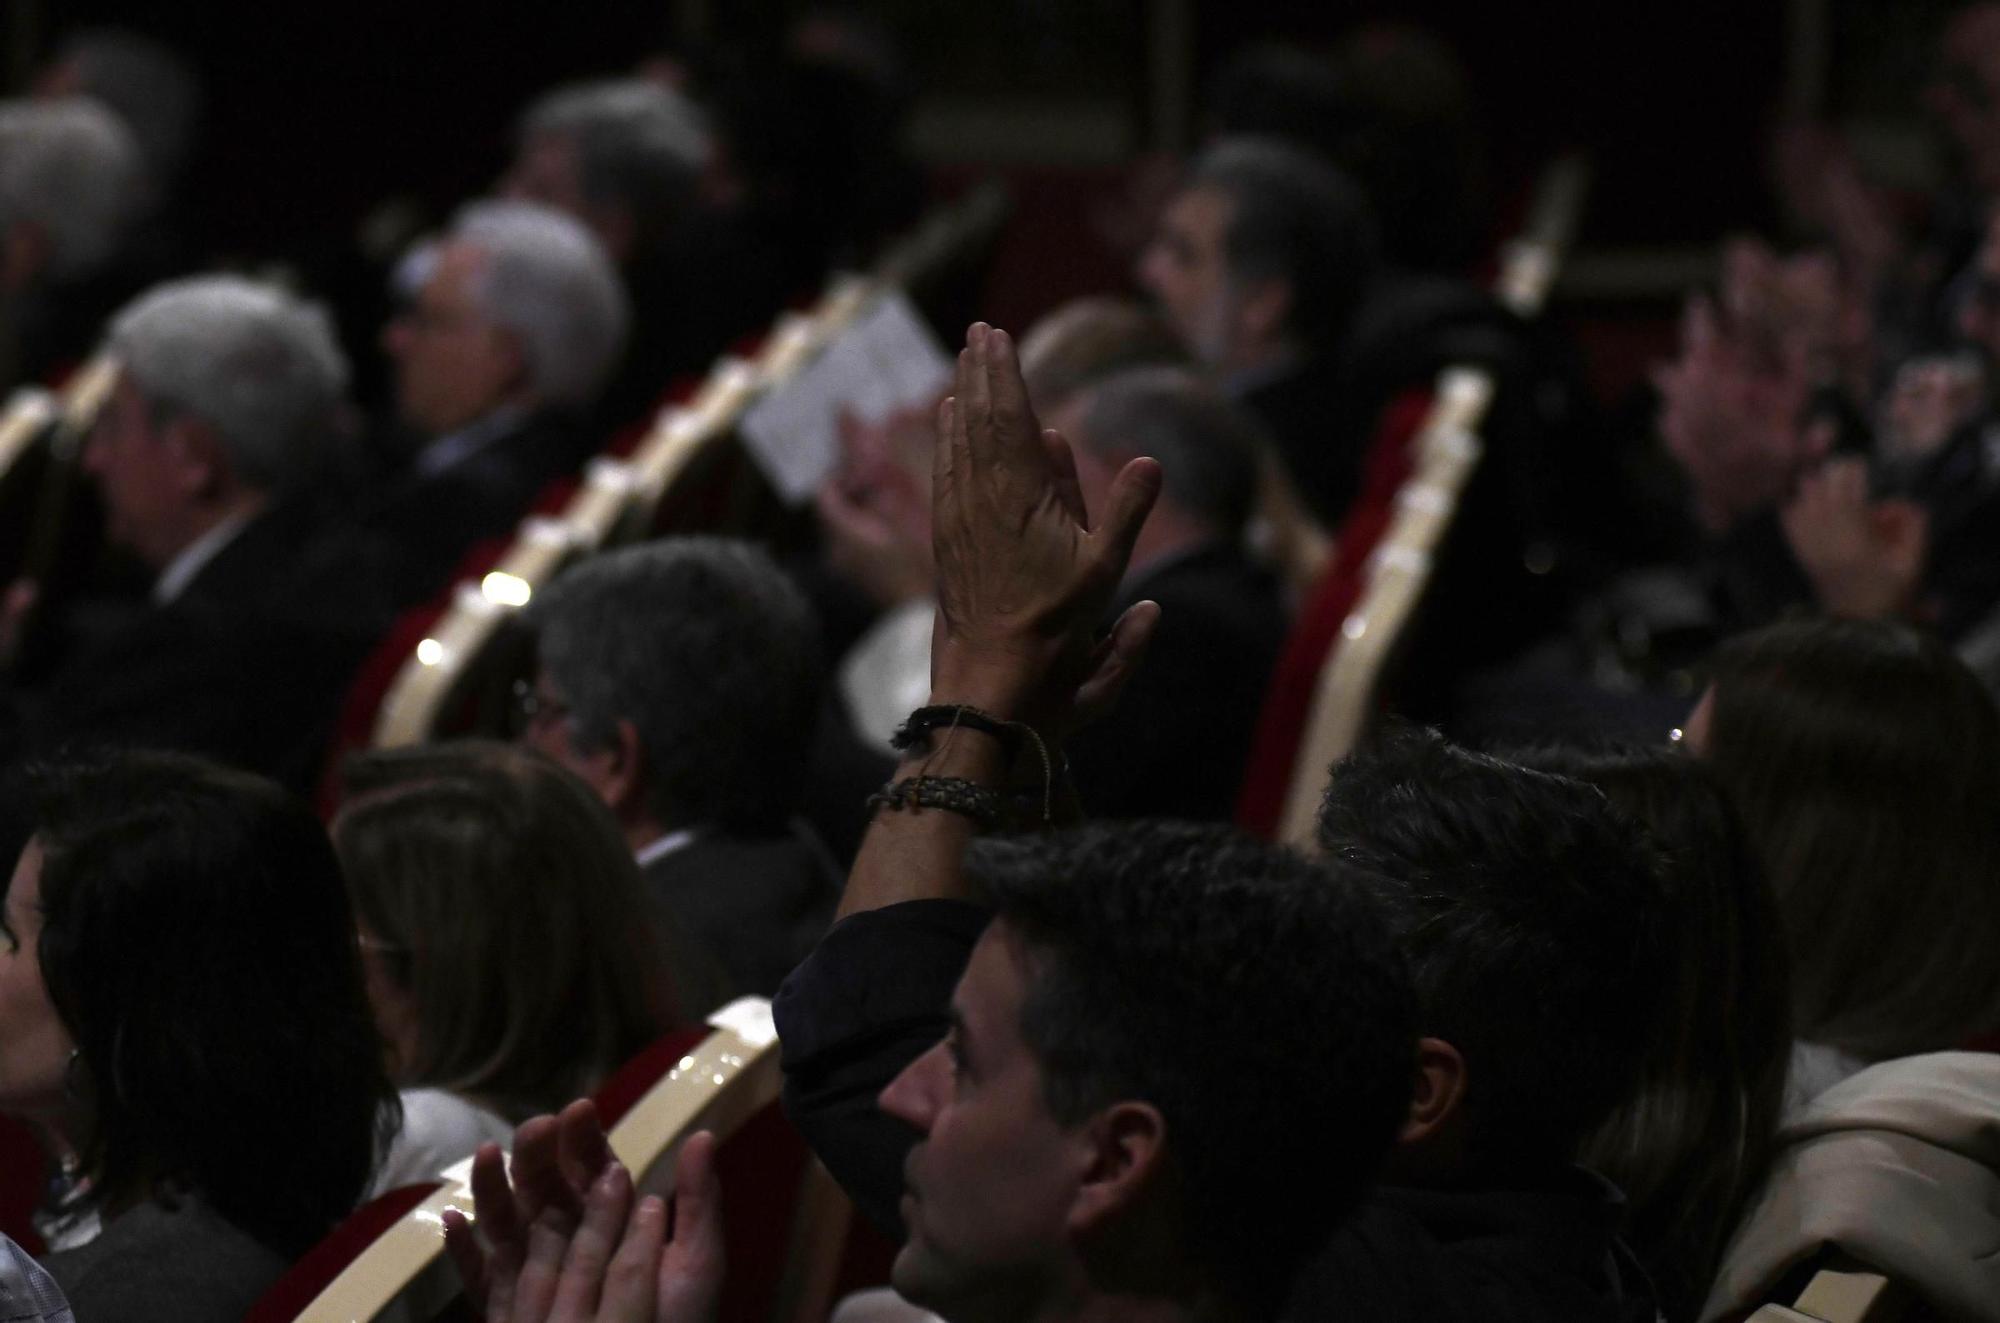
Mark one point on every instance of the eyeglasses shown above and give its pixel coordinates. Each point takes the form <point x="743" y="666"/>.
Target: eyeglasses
<point x="531" y="705"/>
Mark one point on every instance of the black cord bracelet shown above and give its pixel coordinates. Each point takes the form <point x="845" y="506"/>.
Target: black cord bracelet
<point x="922" y="722"/>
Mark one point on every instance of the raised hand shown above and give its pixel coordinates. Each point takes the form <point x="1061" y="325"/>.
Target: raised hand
<point x="1864" y="558"/>
<point x="1024" y="574"/>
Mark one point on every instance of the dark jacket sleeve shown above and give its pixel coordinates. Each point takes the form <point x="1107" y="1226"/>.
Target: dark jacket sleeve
<point x="874" y="996"/>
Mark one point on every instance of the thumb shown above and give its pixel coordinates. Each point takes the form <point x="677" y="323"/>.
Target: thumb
<point x="1131" y="499"/>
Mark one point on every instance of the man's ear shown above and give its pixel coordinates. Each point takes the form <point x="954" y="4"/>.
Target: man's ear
<point x="1262" y="309"/>
<point x="202" y="468"/>
<point x="1122" y="1149"/>
<point x="623" y="781"/>
<point x="1436" y="1095"/>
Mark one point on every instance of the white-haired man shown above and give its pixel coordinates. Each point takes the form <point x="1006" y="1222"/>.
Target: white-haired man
<point x="228" y="407"/>
<point x="517" y="324"/>
<point x="70" y="185"/>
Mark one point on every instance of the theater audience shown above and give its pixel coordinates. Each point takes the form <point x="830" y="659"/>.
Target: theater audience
<point x="149" y="86"/>
<point x="462" y="861"/>
<point x="1176" y="744"/>
<point x="1865" y="760"/>
<point x="209" y="456"/>
<point x="1260" y="263"/>
<point x="681" y="681"/>
<point x="185" y="1021"/>
<point x="70" y="189"/>
<point x="635" y="160"/>
<point x="518" y="324"/>
<point x="1689" y="1146"/>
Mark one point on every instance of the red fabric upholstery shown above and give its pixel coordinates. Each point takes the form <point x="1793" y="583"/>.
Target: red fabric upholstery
<point x="1316" y="631"/>
<point x="289" y="1296"/>
<point x="24" y="1176"/>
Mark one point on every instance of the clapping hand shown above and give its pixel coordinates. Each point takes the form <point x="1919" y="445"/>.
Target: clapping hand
<point x="565" y="1243"/>
<point x="1024" y="574"/>
<point x="1864" y="557"/>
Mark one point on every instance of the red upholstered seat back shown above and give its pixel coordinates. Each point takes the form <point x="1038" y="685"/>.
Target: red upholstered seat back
<point x="1316" y="631"/>
<point x="24" y="1176"/>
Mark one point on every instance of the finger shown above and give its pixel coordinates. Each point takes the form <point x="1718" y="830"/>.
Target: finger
<point x="1123" y="650"/>
<point x="538" y="1180"/>
<point x="541" y="1266"/>
<point x="1062" y="473"/>
<point x="692" y="1266"/>
<point x="631" y="1283"/>
<point x="976" y="404"/>
<point x="591" y="1248"/>
<point x="461" y="1242"/>
<point x="1009" y="388"/>
<point x="493" y="1201"/>
<point x="1131" y="499"/>
<point x="582" y="1152"/>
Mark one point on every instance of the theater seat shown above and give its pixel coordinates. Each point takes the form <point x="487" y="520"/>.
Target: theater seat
<point x="1846" y="1296"/>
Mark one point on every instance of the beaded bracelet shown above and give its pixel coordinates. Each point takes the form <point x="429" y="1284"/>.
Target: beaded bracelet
<point x="954" y="794"/>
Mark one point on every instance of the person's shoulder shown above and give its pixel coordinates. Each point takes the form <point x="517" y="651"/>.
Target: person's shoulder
<point x="165" y="1262"/>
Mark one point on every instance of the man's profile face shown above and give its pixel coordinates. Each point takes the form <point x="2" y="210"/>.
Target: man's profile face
<point x="1186" y="269"/>
<point x="453" y="365"/>
<point x="140" y="474"/>
<point x="989" y="1189"/>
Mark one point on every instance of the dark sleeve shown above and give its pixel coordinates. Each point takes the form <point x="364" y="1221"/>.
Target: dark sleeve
<point x="1757" y="579"/>
<point x="874" y="996"/>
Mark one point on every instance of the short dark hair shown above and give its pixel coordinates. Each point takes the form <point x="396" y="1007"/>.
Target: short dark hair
<point x="1865" y="758"/>
<point x="1246" y="992"/>
<point x="198" y="946"/>
<point x="1206" y="444"/>
<point x="711" y="653"/>
<point x="1298" y="220"/>
<point x="1533" y="918"/>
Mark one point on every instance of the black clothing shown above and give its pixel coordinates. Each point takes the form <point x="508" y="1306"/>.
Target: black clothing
<point x="1322" y="440"/>
<point x="1176" y="744"/>
<point x="165" y="1263"/>
<point x="248" y="664"/>
<point x="755" y="905"/>
<point x="429" y="521"/>
<point x="875" y="995"/>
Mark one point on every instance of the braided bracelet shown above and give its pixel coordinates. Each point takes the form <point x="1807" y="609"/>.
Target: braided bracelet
<point x="954" y="794"/>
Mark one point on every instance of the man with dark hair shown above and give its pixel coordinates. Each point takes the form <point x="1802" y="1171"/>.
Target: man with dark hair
<point x="682" y="681"/>
<point x="1534" y="921"/>
<point x="1261" y="262"/>
<point x="1122" y="1101"/>
<point x="1176" y="744"/>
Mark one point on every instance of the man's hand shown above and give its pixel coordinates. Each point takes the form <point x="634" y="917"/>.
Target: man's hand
<point x="565" y="1243"/>
<point x="1864" y="558"/>
<point x="875" y="509"/>
<point x="1734" y="425"/>
<point x="1023" y="575"/>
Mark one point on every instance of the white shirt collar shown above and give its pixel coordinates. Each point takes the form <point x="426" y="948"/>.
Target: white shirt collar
<point x="194" y="557"/>
<point x="661" y="846"/>
<point x="456" y="447"/>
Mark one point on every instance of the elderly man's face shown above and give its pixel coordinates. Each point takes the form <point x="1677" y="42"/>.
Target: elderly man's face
<point x="1186" y="269"/>
<point x="991" y="1188"/>
<point x="147" y="474"/>
<point x="453" y="364"/>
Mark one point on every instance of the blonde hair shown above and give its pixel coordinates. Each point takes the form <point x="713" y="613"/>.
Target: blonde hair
<point x="513" y="915"/>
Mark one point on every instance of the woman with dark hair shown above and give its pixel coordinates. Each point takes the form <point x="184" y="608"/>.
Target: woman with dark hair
<point x="1865" y="760"/>
<point x="506" y="939"/>
<point x="1690" y="1144"/>
<point x="182" y="1015"/>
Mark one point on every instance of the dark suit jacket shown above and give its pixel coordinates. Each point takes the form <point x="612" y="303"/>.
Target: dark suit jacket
<point x="425" y="523"/>
<point x="247" y="665"/>
<point x="1176" y="744"/>
<point x="1321" y="439"/>
<point x="754" y="905"/>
